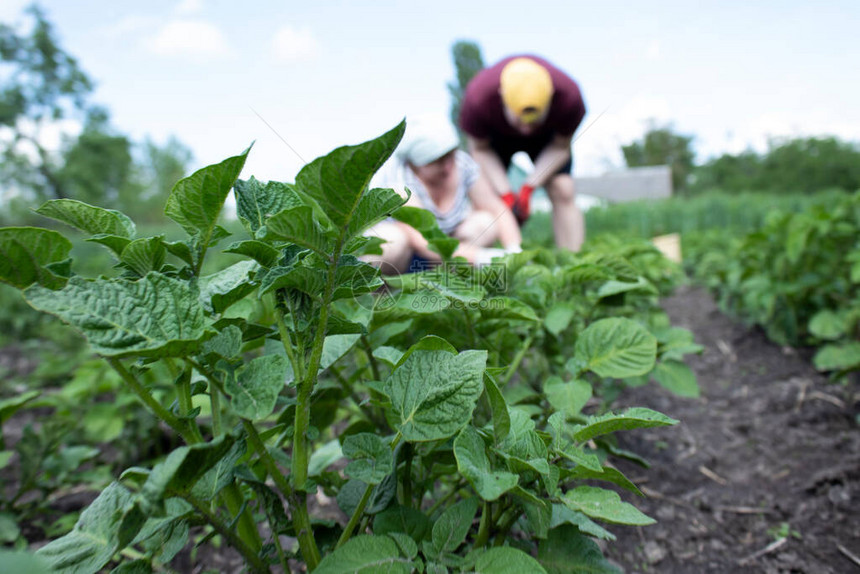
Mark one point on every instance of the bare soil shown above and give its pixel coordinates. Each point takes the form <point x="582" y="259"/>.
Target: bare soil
<point x="762" y="474"/>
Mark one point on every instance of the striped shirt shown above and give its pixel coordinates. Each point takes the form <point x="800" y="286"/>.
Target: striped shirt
<point x="399" y="176"/>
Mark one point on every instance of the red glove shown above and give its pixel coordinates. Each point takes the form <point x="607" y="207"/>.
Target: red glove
<point x="521" y="208"/>
<point x="509" y="199"/>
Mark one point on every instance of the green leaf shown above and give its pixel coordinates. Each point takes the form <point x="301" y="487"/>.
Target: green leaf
<point x="140" y="566"/>
<point x="676" y="377"/>
<point x="611" y="288"/>
<point x="616" y="348"/>
<point x="195" y="202"/>
<point x="390" y="355"/>
<point x="403" y="519"/>
<point x="96" y="536"/>
<point x="371" y="458"/>
<point x="633" y="418"/>
<point x="607" y="474"/>
<point x="407" y="546"/>
<point x="425" y="223"/>
<point x="227" y="343"/>
<point x="255" y="388"/>
<point x="428" y="343"/>
<point x="261" y="252"/>
<point x="339" y="181"/>
<point x="220" y="475"/>
<point x="564" y="515"/>
<point x="324" y="456"/>
<point x="507" y="560"/>
<point x="299" y="225"/>
<point x="558" y="318"/>
<point x="220" y="290"/>
<point x="450" y="530"/>
<point x="566" y="551"/>
<point x="25" y="253"/>
<point x="164" y="536"/>
<point x="499" y="408"/>
<point x="144" y="255"/>
<point x="374" y="206"/>
<point x="604" y="505"/>
<point x="508" y="308"/>
<point x="433" y="393"/>
<point x="256" y="202"/>
<point x="88" y="218"/>
<point x="829" y="325"/>
<point x="838" y="357"/>
<point x="156" y="316"/>
<point x="567" y="397"/>
<point x="116" y="243"/>
<point x="24" y="562"/>
<point x="180" y="471"/>
<point x="675" y="342"/>
<point x="9" y="530"/>
<point x="474" y="464"/>
<point x="10" y="406"/>
<point x="368" y="554"/>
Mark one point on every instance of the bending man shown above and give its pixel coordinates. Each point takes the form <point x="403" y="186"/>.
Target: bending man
<point x="524" y="103"/>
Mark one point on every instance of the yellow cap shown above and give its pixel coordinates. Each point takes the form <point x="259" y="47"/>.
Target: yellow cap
<point x="526" y="88"/>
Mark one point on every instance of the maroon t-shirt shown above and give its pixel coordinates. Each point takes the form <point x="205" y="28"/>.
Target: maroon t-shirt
<point x="482" y="114"/>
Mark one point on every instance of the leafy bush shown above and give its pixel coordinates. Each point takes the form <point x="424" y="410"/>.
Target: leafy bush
<point x="798" y="276"/>
<point x="458" y="416"/>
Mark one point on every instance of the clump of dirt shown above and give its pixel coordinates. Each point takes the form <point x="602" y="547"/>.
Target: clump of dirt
<point x="762" y="474"/>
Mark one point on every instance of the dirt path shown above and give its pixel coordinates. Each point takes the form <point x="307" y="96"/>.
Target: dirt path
<point x="771" y="449"/>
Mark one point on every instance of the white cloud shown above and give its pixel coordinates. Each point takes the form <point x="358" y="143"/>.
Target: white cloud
<point x="132" y="24"/>
<point x="652" y="51"/>
<point x="194" y="38"/>
<point x="295" y="44"/>
<point x="189" y="7"/>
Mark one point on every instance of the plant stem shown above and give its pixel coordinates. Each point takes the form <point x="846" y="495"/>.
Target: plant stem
<point x="266" y="457"/>
<point x="183" y="396"/>
<point x="287" y="343"/>
<point x="215" y="405"/>
<point x="356" y="516"/>
<point x="510" y="517"/>
<point x="406" y="480"/>
<point x="250" y="556"/>
<point x="518" y="358"/>
<point x="484" y="527"/>
<point x="246" y="527"/>
<point x="147" y="399"/>
<point x="368" y="350"/>
<point x="231" y="495"/>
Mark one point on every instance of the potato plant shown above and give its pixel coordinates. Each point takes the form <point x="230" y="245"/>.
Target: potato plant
<point x="798" y="277"/>
<point x="443" y="411"/>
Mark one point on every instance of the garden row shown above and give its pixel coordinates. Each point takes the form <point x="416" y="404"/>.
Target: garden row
<point x="797" y="276"/>
<point x="461" y="418"/>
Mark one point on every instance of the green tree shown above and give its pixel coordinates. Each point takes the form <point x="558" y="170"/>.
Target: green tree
<point x="468" y="61"/>
<point x="41" y="84"/>
<point x="796" y="164"/>
<point x="159" y="170"/>
<point x="663" y="146"/>
<point x="97" y="165"/>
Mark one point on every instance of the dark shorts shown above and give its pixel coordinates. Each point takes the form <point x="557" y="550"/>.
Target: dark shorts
<point x="506" y="150"/>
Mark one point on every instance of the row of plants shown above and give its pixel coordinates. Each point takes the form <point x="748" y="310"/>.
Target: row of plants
<point x="731" y="212"/>
<point x="460" y="417"/>
<point x="797" y="276"/>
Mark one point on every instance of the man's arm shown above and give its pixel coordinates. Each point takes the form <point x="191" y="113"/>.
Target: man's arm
<point x="490" y="164"/>
<point x="553" y="156"/>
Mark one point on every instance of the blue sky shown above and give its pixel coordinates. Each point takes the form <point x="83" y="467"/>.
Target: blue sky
<point x="327" y="73"/>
